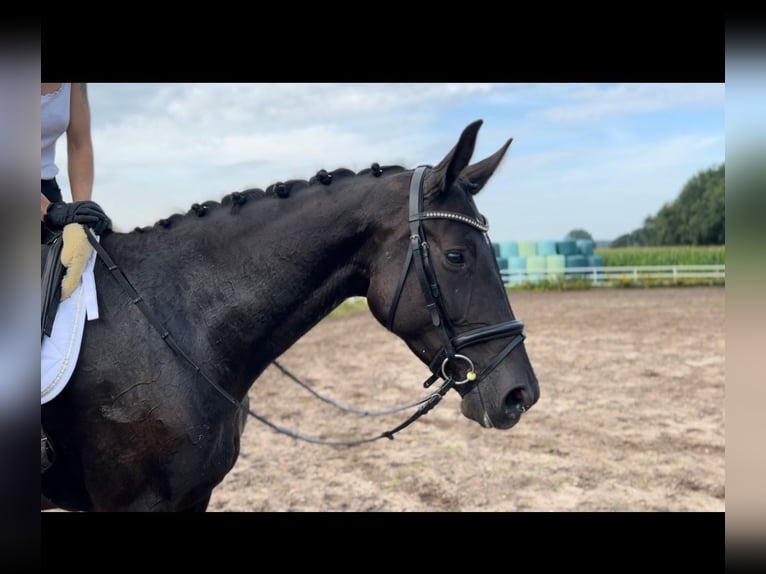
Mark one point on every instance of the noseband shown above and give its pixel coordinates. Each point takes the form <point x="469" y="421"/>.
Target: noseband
<point x="418" y="255"/>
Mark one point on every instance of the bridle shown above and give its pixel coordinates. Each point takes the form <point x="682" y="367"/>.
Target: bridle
<point x="418" y="256"/>
<point x="417" y="253"/>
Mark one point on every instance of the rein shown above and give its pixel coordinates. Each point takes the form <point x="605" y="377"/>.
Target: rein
<point x="346" y="408"/>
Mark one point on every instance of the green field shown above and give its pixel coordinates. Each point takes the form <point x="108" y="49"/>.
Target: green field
<point x="628" y="256"/>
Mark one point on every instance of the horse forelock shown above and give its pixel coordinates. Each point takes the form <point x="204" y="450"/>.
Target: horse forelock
<point x="283" y="190"/>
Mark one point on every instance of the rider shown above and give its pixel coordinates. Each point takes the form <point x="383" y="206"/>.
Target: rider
<point x="64" y="108"/>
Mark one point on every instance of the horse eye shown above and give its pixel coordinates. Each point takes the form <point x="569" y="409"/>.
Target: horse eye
<point x="455" y="257"/>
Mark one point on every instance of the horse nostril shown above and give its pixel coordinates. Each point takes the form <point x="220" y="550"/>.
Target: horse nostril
<point x="518" y="399"/>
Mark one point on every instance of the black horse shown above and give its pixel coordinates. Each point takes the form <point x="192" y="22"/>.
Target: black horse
<point x="238" y="282"/>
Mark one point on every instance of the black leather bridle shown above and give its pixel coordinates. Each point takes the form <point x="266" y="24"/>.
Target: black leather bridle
<point x="419" y="256"/>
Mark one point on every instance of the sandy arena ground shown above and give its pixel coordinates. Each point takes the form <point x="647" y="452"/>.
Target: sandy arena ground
<point x="631" y="417"/>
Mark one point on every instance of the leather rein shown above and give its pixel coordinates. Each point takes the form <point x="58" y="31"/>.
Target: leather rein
<point x="417" y="253"/>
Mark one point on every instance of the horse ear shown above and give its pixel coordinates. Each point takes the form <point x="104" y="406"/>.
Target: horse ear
<point x="444" y="175"/>
<point x="479" y="173"/>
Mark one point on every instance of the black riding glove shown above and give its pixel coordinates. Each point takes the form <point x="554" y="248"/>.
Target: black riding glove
<point x="60" y="214"/>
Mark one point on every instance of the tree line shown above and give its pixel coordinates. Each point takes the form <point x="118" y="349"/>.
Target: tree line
<point x="696" y="217"/>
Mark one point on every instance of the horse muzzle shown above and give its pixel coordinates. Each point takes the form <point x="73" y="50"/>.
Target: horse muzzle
<point x="502" y="413"/>
<point x="493" y="401"/>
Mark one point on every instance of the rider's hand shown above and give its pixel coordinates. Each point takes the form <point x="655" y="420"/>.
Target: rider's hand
<point x="60" y="214"/>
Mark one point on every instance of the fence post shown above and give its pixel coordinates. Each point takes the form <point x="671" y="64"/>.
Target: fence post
<point x="635" y="275"/>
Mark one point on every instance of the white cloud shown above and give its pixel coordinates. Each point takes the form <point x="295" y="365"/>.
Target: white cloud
<point x="211" y="105"/>
<point x="637" y="160"/>
<point x="590" y="103"/>
<point x="231" y="123"/>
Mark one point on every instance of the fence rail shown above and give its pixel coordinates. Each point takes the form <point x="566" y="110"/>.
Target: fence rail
<point x="634" y="273"/>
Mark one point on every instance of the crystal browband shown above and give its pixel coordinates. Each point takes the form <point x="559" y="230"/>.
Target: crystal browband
<point x="456" y="217"/>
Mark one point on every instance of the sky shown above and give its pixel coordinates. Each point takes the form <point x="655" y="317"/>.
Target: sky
<point x="599" y="157"/>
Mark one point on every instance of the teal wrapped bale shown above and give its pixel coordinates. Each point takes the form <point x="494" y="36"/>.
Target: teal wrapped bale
<point x="555" y="265"/>
<point x="502" y="262"/>
<point x="509" y="249"/>
<point x="576" y="260"/>
<point x="516" y="263"/>
<point x="496" y="247"/>
<point x="585" y="246"/>
<point x="527" y="248"/>
<point x="567" y="247"/>
<point x="546" y="248"/>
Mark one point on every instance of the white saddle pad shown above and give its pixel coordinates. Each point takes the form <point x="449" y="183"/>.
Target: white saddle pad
<point x="60" y="351"/>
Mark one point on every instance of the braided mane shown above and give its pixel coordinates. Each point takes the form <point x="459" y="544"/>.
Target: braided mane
<point x="235" y="200"/>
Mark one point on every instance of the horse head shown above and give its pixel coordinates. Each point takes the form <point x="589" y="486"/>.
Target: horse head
<point x="434" y="281"/>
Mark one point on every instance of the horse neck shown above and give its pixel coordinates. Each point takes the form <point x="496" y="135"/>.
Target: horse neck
<point x="260" y="279"/>
<point x="306" y="264"/>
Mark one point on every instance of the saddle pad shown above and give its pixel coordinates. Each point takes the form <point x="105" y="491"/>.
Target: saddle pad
<point x="59" y="352"/>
